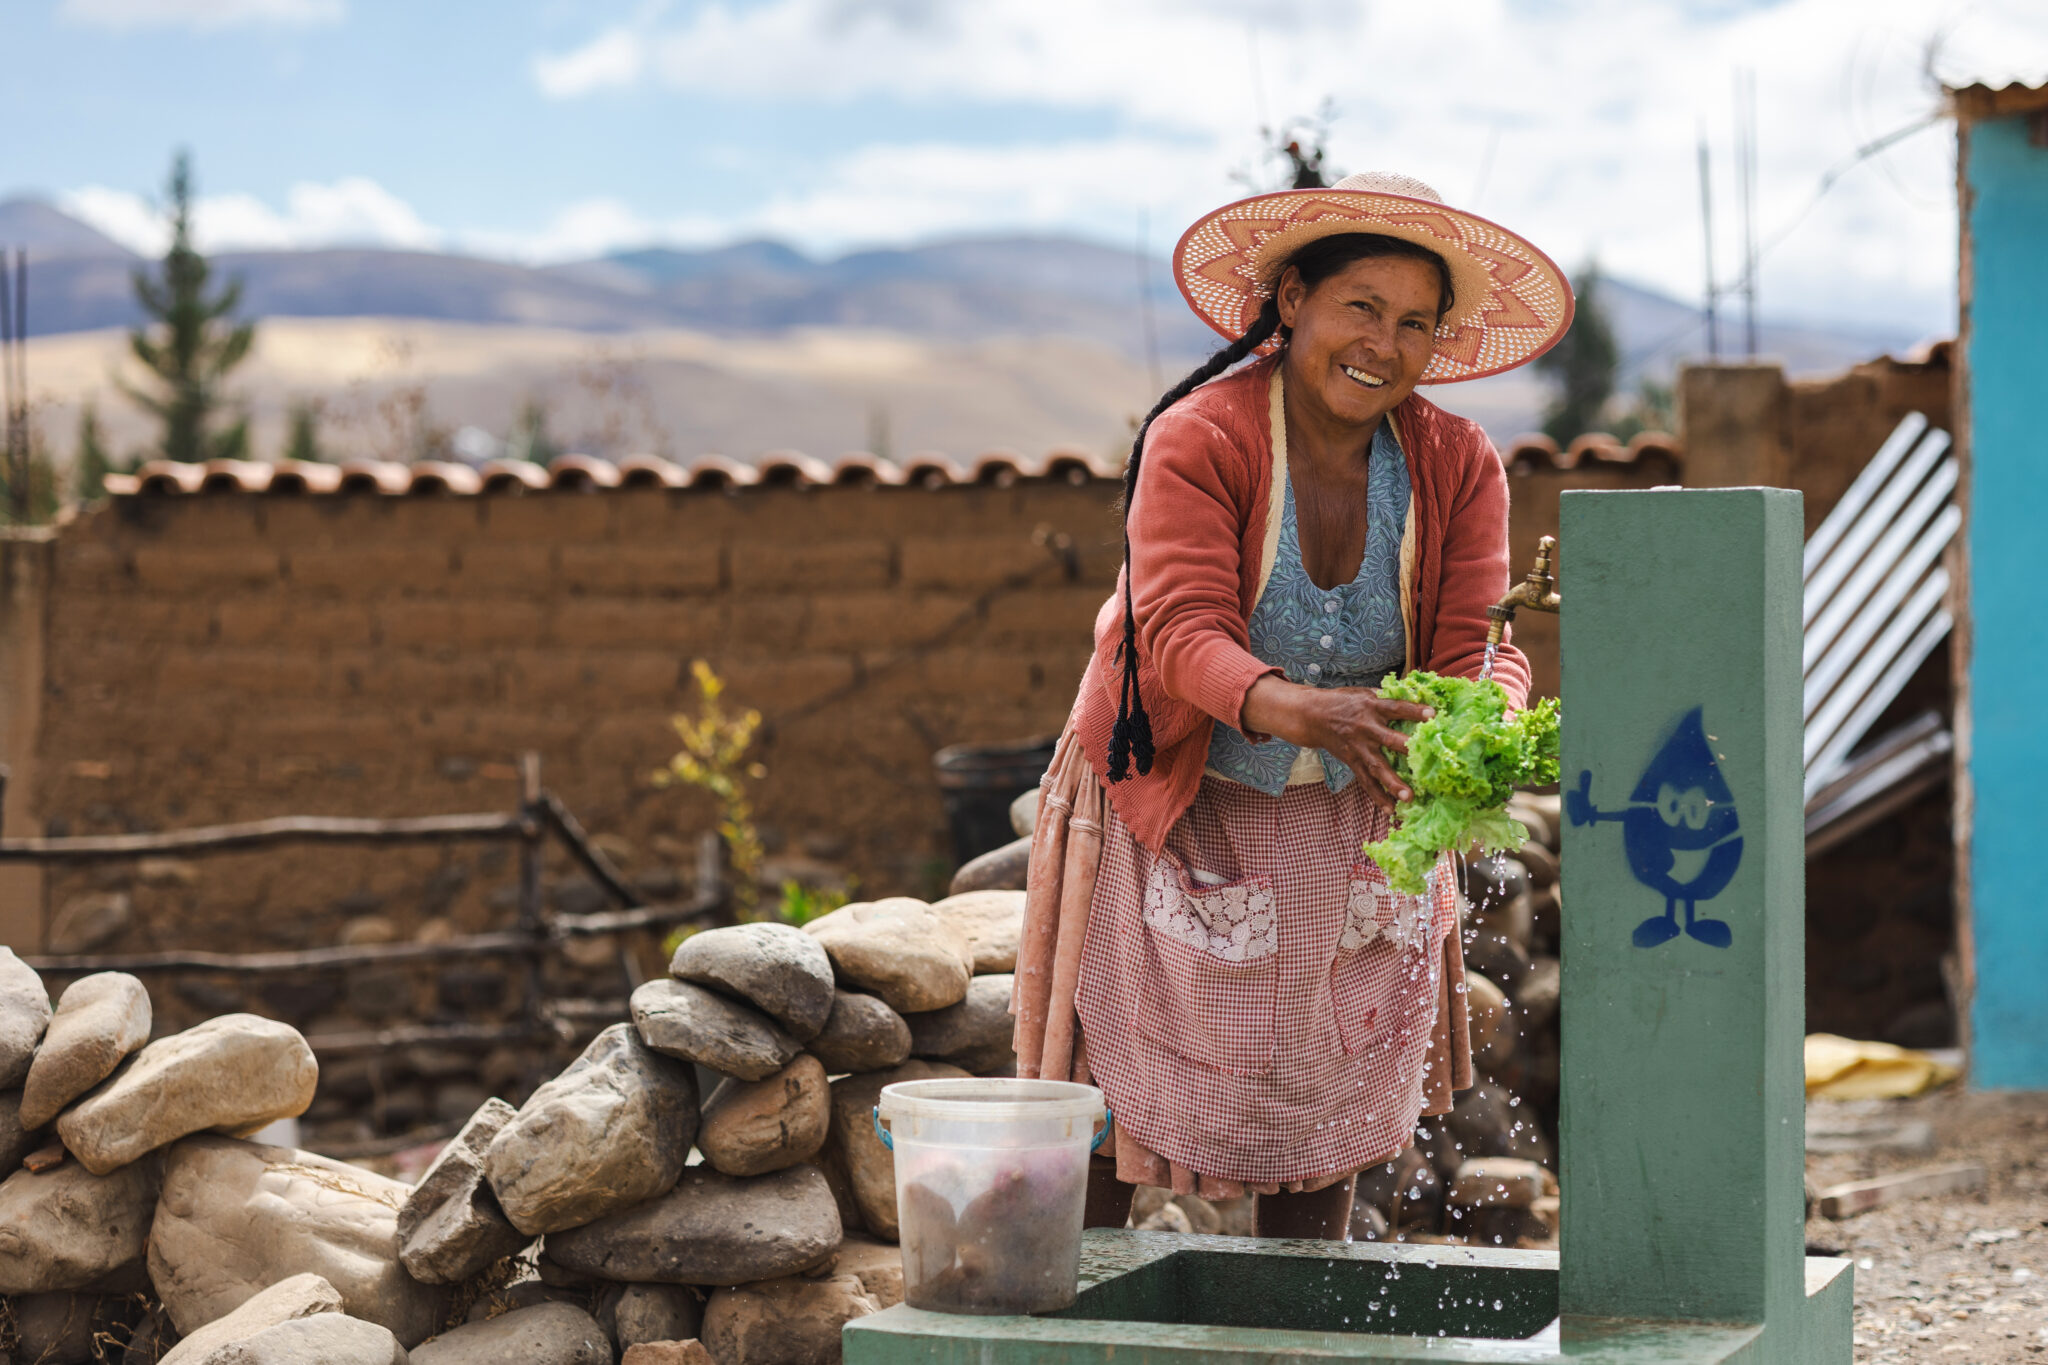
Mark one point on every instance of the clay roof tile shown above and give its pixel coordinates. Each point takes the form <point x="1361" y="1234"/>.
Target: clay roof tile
<point x="582" y="473"/>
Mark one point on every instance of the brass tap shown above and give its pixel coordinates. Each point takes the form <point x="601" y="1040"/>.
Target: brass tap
<point x="1538" y="592"/>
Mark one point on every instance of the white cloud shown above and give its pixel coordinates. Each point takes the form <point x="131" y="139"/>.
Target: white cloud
<point x="1595" y="108"/>
<point x="894" y="193"/>
<point x="613" y="58"/>
<point x="352" y="211"/>
<point x="593" y="227"/>
<point x="199" y="14"/>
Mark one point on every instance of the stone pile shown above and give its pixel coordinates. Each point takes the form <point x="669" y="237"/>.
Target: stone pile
<point x="703" y="1183"/>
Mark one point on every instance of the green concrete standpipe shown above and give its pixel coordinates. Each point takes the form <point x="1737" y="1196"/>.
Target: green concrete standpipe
<point x="1682" y="1113"/>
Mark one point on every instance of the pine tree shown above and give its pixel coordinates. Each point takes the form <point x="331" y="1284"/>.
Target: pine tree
<point x="190" y="344"/>
<point x="1582" y="365"/>
<point x="304" y="441"/>
<point x="90" y="463"/>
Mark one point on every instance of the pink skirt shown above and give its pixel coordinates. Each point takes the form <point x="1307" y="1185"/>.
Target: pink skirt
<point x="1276" y="1022"/>
<point x="1258" y="1005"/>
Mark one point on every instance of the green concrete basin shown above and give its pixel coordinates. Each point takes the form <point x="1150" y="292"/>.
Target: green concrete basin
<point x="1167" y="1299"/>
<point x="1317" y="1287"/>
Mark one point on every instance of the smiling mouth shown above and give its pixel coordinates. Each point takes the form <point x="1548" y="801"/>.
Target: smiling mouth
<point x="1371" y="381"/>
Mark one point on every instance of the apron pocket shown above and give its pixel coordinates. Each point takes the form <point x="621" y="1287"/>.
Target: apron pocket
<point x="1381" y="927"/>
<point x="1209" y="986"/>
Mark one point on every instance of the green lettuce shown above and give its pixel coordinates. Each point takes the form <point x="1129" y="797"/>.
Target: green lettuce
<point x="1462" y="764"/>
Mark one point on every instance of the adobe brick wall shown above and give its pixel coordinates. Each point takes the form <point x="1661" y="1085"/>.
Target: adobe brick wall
<point x="226" y="657"/>
<point x="1748" y="424"/>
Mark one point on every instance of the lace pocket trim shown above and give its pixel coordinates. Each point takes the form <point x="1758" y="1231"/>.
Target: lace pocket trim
<point x="1235" y="922"/>
<point x="1374" y="912"/>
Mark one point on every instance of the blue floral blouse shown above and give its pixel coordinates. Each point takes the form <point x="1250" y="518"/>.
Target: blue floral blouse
<point x="1351" y="635"/>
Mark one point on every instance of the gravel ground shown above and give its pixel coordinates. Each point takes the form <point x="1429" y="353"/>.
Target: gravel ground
<point x="1960" y="1278"/>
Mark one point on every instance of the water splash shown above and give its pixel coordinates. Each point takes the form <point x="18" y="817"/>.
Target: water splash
<point x="1486" y="665"/>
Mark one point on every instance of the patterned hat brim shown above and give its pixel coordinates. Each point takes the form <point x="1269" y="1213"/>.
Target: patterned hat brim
<point x="1512" y="302"/>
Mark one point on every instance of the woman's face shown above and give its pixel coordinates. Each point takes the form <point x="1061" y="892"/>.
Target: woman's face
<point x="1361" y="338"/>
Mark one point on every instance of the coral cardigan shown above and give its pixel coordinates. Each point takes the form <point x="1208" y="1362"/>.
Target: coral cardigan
<point x="1204" y="529"/>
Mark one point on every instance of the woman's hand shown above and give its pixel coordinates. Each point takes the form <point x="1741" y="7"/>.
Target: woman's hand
<point x="1353" y="724"/>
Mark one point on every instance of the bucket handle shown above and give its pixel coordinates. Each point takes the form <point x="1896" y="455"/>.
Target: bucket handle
<point x="1095" y="1146"/>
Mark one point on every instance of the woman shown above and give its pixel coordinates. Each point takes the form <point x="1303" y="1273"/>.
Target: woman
<point x="1203" y="937"/>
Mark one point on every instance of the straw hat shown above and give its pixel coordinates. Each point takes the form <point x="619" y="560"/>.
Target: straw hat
<point x="1513" y="303"/>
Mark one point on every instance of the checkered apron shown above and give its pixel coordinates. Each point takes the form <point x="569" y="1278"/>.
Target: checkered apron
<point x="1256" y="1004"/>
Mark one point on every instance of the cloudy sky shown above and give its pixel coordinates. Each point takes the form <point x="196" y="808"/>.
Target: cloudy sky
<point x="560" y="129"/>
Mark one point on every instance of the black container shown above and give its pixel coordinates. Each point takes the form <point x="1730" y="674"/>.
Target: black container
<point x="978" y="783"/>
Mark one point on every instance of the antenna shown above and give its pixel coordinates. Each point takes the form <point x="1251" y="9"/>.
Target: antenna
<point x="1707" y="233"/>
<point x="1745" y="170"/>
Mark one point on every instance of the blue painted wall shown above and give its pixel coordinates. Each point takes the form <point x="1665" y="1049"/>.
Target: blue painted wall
<point x="2008" y="530"/>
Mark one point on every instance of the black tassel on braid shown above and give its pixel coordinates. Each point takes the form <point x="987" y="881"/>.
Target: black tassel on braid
<point x="1130" y="740"/>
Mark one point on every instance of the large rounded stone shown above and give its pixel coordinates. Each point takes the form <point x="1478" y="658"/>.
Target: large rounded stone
<point x="100" y="1019"/>
<point x="777" y="968"/>
<point x="1024" y="814"/>
<point x="898" y="949"/>
<point x="1487" y="1008"/>
<point x="319" y="1339"/>
<point x="753" y="1127"/>
<point x="234" y="1218"/>
<point x="24" y="1014"/>
<point x="993" y="922"/>
<point x="300" y="1296"/>
<point x="546" y="1334"/>
<point x="711" y="1229"/>
<point x="862" y="1034"/>
<point x="1001" y="869"/>
<point x="975" y="1034"/>
<point x="66" y="1228"/>
<point x="612" y="1130"/>
<point x="233" y="1074"/>
<point x="451" y="1226"/>
<point x="870" y="1167"/>
<point x="702" y="1026"/>
<point x="791" y="1321"/>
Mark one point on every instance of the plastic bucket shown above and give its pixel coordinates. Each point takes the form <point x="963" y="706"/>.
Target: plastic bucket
<point x="991" y="1184"/>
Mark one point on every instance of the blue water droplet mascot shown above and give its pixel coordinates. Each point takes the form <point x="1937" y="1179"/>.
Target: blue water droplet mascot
<point x="1679" y="830"/>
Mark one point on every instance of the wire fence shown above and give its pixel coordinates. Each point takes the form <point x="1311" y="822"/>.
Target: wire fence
<point x="536" y="933"/>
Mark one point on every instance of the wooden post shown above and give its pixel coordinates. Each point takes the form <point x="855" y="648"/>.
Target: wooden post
<point x="531" y="830"/>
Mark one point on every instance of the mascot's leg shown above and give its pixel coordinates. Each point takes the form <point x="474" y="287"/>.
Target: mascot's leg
<point x="1660" y="928"/>
<point x="1712" y="932"/>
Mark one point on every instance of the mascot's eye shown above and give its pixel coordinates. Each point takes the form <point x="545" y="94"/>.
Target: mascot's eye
<point x="1667" y="804"/>
<point x="1693" y="806"/>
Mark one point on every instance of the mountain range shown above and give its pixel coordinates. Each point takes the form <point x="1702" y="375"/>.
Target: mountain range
<point x="963" y="292"/>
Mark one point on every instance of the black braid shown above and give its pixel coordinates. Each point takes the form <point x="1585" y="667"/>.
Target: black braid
<point x="1130" y="741"/>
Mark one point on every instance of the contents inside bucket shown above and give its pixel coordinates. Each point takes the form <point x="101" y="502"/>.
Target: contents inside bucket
<point x="988" y="1232"/>
<point x="991" y="1182"/>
